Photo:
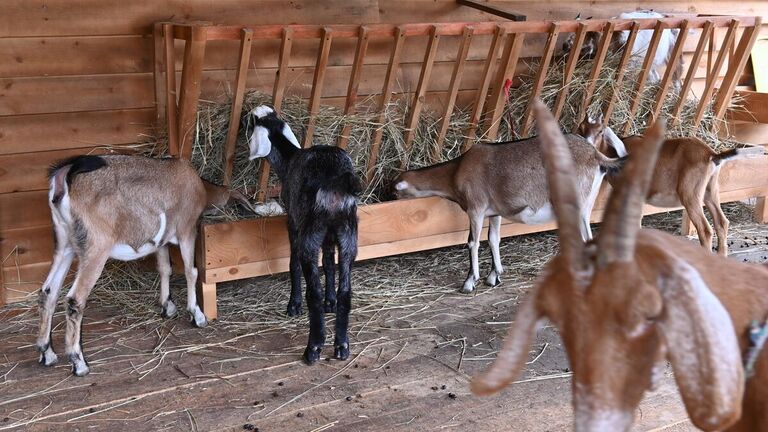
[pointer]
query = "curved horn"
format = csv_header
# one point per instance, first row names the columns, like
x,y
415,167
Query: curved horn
x,y
621,221
561,176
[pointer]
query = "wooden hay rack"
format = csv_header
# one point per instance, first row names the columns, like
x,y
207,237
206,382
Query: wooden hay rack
x,y
248,248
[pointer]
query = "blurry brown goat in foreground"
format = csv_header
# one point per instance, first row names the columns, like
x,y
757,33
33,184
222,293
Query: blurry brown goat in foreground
x,y
633,298
686,174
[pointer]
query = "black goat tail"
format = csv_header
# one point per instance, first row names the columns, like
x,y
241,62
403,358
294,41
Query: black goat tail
x,y
64,171
338,193
612,166
345,183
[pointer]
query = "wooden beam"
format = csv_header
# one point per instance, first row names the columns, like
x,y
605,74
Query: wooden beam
x,y
706,96
620,72
317,83
505,71
650,53
453,90
570,66
171,104
421,91
597,66
482,92
492,10
541,76
386,95
191,79
158,58
278,90
237,106
735,68
354,83
706,32
674,59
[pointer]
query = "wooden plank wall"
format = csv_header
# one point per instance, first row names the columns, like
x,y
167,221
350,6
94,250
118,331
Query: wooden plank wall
x,y
75,76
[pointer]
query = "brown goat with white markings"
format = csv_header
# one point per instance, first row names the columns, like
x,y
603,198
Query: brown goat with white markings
x,y
123,207
505,180
634,298
686,174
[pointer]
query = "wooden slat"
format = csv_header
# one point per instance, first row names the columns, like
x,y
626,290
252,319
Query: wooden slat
x,y
237,107
505,71
670,69
24,210
620,72
650,53
492,10
421,90
158,55
278,92
706,97
28,245
597,65
171,103
191,77
453,90
354,83
689,78
541,75
317,84
20,281
482,92
386,95
570,66
735,68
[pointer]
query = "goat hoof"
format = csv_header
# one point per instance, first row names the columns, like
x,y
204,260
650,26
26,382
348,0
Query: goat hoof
x,y
47,357
294,309
312,355
492,280
468,287
79,366
198,318
330,306
169,310
341,352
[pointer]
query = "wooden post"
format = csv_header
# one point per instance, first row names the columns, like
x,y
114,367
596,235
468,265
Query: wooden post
x,y
354,83
171,104
506,71
277,102
706,31
453,91
482,93
386,95
541,76
621,72
191,79
421,91
674,58
735,68
206,292
761,207
570,66
597,66
709,87
237,106
158,56
317,83
650,53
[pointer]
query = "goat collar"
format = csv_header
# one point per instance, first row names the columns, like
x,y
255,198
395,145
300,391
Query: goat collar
x,y
758,335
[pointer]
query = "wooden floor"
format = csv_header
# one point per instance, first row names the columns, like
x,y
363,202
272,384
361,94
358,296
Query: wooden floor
x,y
415,344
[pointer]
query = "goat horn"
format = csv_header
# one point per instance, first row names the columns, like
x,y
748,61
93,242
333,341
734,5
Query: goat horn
x,y
561,176
616,241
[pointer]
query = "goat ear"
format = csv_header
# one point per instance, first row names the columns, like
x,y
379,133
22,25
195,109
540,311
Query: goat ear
x,y
578,16
702,347
288,133
259,143
514,353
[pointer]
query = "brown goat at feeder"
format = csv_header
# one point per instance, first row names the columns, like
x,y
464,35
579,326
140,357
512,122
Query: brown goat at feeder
x,y
635,297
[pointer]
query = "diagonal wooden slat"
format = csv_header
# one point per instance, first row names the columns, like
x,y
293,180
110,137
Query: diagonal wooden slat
x,y
191,80
706,32
354,83
709,87
421,90
621,72
317,84
674,59
386,96
482,93
602,50
650,53
570,66
171,105
157,69
237,105
735,68
453,91
541,75
506,71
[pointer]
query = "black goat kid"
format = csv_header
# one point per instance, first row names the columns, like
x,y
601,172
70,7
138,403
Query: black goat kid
x,y
319,193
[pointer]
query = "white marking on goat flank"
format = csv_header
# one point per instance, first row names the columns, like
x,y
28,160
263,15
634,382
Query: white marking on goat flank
x,y
615,142
262,111
126,252
288,134
541,215
333,201
158,238
259,143
401,185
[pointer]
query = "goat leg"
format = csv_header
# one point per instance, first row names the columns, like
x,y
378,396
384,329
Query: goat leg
x,y
329,268
164,269
494,239
294,304
347,253
473,244
49,294
187,248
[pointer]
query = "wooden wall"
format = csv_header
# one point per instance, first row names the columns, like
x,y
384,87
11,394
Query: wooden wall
x,y
75,76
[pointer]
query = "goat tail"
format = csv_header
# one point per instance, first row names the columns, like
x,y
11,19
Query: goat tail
x,y
220,196
611,166
738,153
346,183
338,193
64,171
